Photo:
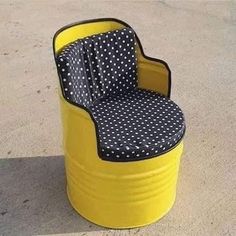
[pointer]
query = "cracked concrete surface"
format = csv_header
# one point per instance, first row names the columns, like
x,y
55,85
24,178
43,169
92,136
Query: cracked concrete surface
x,y
196,38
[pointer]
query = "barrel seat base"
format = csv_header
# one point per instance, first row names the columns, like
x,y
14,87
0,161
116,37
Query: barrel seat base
x,y
124,199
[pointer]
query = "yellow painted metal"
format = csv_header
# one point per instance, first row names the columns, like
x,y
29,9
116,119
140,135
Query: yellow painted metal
x,y
114,194
152,75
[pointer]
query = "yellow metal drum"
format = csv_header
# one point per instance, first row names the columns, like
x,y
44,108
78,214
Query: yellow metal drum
x,y
115,194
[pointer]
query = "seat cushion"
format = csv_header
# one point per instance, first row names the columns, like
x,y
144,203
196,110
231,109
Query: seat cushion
x,y
98,66
137,125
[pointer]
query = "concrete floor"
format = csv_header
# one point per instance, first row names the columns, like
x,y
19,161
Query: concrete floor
x,y
197,39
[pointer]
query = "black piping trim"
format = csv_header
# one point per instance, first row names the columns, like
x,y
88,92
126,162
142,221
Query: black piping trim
x,y
86,109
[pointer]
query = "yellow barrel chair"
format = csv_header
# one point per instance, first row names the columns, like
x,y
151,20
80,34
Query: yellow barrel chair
x,y
122,135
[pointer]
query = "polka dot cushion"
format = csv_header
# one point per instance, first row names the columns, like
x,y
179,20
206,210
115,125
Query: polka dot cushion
x,y
137,125
98,66
99,74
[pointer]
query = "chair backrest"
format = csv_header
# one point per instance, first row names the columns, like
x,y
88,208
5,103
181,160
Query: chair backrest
x,y
98,66
83,29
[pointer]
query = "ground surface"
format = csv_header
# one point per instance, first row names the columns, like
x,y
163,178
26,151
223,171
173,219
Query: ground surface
x,y
198,39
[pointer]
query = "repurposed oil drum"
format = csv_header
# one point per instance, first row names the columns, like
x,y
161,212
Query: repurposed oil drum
x,y
115,194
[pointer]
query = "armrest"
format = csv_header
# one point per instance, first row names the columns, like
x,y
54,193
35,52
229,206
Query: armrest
x,y
79,131
154,74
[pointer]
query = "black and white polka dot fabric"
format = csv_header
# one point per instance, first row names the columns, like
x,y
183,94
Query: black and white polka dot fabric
x,y
98,66
99,73
137,125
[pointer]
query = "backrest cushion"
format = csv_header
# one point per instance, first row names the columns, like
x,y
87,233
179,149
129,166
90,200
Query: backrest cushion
x,y
98,66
